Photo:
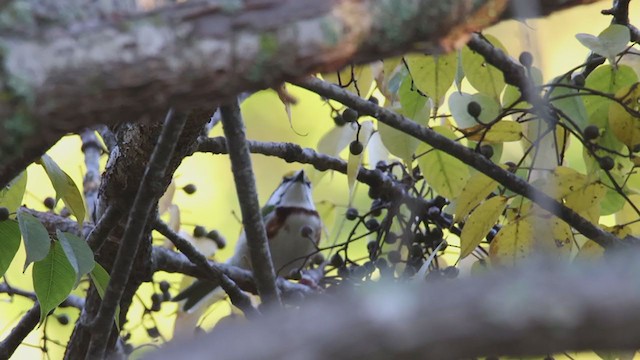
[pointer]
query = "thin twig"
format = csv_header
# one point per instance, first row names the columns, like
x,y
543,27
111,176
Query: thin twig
x,y
143,204
257,241
71,301
238,298
91,184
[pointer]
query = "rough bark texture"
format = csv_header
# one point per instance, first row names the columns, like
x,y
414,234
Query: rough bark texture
x,y
62,76
540,309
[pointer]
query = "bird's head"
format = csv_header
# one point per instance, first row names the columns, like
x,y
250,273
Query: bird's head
x,y
294,191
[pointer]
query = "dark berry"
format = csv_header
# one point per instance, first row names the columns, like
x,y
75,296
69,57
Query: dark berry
x,y
376,207
358,272
317,259
164,286
190,189
65,212
435,233
219,240
606,163
433,212
49,202
372,224
352,214
474,109
374,192
63,319
440,201
153,332
128,348
4,213
391,238
156,302
370,267
416,251
343,272
636,148
381,263
578,80
381,165
199,231
349,115
591,132
486,151
339,120
526,59
394,256
356,147
374,100
451,272
372,246
336,260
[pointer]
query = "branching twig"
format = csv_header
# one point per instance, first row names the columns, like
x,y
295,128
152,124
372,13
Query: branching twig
x,y
70,301
214,273
464,154
138,217
257,241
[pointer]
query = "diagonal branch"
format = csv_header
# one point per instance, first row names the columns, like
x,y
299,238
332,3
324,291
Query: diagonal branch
x,y
256,235
464,154
27,323
214,272
141,210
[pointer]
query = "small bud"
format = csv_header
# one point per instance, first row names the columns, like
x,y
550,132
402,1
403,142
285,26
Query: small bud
x,y
63,319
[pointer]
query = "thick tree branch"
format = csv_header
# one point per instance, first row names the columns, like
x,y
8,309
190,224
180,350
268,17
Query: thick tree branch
x,y
464,154
145,200
55,81
257,241
539,309
238,298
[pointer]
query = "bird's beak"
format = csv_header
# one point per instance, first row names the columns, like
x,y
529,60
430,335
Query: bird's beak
x,y
299,177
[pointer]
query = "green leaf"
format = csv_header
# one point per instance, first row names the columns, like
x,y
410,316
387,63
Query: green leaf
x,y
483,77
458,103
624,125
65,187
609,80
608,43
12,194
9,243
570,103
53,279
444,173
100,278
480,221
36,237
414,106
78,252
433,75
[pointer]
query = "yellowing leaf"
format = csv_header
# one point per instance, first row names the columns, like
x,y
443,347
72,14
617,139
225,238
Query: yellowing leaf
x,y
590,251
433,75
512,243
629,215
563,182
444,173
334,141
586,201
480,221
624,125
65,187
553,237
477,188
502,131
11,195
355,78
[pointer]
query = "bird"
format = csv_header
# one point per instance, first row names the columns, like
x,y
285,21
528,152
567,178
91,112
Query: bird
x,y
293,228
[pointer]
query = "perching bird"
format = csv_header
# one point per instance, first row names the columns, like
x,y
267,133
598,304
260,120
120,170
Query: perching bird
x,y
293,228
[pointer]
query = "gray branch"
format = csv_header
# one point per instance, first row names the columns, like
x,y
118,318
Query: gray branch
x,y
539,309
256,235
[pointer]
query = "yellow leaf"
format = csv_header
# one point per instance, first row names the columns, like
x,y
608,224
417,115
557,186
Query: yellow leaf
x,y
629,216
444,173
624,125
502,131
553,237
477,188
512,243
586,200
433,75
590,251
355,78
563,182
479,223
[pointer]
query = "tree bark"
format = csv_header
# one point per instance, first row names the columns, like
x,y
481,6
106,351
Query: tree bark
x,y
65,76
